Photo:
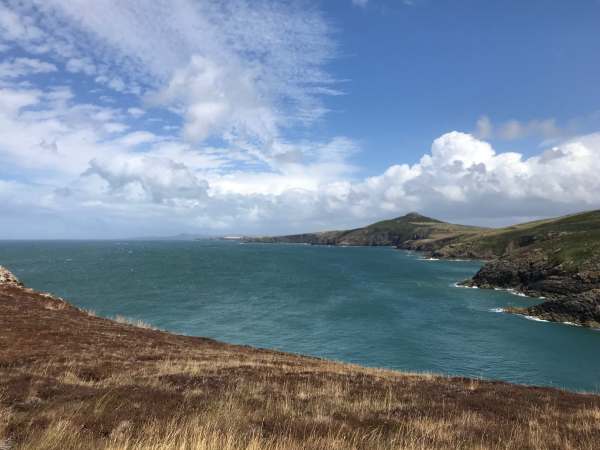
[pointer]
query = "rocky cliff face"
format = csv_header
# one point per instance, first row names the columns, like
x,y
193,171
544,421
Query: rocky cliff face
x,y
582,309
7,278
573,295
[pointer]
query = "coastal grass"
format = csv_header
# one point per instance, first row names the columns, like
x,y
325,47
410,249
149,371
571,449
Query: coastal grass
x,y
572,241
70,380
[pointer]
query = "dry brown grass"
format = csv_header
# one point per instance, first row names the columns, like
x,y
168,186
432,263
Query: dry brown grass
x,y
126,320
70,380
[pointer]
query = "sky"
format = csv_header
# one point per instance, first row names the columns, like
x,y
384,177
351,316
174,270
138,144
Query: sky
x,y
122,118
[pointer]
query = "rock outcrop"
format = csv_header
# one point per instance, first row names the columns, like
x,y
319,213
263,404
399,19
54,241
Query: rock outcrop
x,y
581,309
572,292
8,279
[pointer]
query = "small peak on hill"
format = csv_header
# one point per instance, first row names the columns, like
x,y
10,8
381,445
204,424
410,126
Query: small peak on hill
x,y
416,217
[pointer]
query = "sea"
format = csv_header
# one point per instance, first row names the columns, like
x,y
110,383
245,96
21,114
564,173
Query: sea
x,y
374,306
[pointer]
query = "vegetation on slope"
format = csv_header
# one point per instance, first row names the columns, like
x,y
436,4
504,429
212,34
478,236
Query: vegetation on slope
x,y
70,380
572,241
558,259
396,232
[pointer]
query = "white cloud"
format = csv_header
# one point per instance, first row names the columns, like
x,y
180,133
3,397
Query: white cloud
x,y
18,67
465,177
15,27
462,178
361,3
136,112
219,99
250,66
81,65
147,179
242,72
135,138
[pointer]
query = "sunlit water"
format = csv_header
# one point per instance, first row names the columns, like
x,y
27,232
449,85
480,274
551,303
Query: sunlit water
x,y
373,306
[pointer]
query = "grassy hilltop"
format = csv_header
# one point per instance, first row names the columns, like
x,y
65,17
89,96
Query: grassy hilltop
x,y
398,231
70,380
572,240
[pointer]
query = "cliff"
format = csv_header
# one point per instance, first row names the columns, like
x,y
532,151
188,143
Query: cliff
x,y
558,259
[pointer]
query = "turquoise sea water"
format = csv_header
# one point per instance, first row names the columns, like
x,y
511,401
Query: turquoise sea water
x,y
373,306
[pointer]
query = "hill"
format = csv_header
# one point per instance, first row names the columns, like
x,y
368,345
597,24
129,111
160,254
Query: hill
x,y
70,380
394,232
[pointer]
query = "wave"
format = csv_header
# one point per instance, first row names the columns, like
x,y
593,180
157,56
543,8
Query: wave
x,y
535,319
464,287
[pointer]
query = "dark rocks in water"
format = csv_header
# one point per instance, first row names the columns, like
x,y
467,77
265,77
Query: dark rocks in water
x,y
582,309
572,297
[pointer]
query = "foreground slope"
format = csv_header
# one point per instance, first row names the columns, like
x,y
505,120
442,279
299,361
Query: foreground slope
x,y
70,380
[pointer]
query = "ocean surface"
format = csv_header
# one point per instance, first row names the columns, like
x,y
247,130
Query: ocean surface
x,y
372,306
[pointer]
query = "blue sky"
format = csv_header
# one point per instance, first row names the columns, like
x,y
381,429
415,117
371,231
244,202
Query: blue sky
x,y
123,118
420,70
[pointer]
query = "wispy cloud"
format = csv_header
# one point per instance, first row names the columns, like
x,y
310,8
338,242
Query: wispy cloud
x,y
251,67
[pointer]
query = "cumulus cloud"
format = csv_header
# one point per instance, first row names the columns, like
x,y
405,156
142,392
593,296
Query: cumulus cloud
x,y
465,177
461,178
147,179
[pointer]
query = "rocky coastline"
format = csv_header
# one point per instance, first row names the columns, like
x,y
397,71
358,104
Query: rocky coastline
x,y
569,297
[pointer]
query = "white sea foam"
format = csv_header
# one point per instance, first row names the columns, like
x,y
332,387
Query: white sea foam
x,y
517,293
465,287
514,292
497,310
535,319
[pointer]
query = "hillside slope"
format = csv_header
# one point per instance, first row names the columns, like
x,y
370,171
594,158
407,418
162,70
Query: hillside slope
x,y
412,227
558,259
70,380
